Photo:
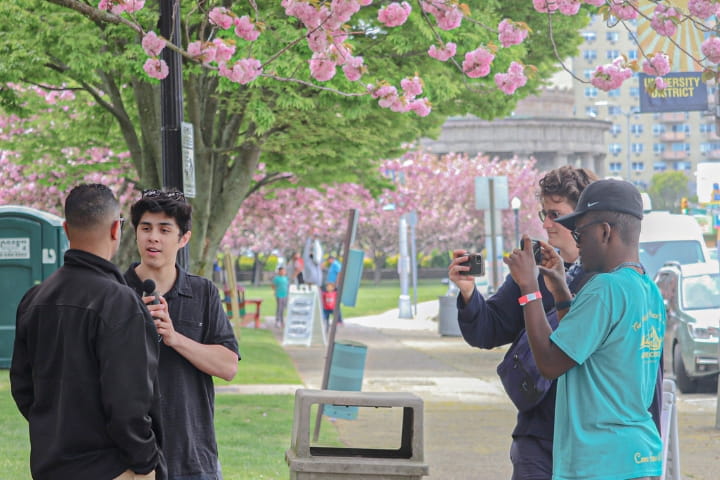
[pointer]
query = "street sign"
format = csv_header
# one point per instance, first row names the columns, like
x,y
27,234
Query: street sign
x,y
188,159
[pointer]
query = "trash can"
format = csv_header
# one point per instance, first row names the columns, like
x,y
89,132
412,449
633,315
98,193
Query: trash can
x,y
448,317
314,462
346,374
32,245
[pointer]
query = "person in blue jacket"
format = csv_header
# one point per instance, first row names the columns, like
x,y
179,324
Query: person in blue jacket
x,y
498,320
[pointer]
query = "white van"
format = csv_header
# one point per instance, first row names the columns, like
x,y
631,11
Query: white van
x,y
666,236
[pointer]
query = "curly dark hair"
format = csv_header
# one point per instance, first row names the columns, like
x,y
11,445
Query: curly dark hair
x,y
566,182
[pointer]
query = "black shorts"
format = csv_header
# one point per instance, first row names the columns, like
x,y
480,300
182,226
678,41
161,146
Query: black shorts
x,y
531,458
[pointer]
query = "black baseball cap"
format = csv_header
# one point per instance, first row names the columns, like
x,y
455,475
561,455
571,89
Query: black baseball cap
x,y
605,196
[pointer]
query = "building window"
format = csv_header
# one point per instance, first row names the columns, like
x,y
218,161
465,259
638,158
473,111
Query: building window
x,y
615,167
614,109
590,55
682,166
612,36
632,54
615,129
614,93
589,36
591,111
658,128
658,147
634,91
638,166
615,148
587,73
680,147
659,167
636,128
637,148
591,92
612,54
707,127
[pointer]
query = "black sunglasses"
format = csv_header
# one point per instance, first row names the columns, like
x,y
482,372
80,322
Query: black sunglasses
x,y
543,214
577,234
173,194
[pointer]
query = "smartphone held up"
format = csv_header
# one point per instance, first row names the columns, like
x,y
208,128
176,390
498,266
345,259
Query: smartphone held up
x,y
476,263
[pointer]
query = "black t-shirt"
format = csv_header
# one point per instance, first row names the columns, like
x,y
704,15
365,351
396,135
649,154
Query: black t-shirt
x,y
188,395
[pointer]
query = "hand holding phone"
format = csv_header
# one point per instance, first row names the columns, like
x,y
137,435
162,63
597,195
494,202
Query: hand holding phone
x,y
476,264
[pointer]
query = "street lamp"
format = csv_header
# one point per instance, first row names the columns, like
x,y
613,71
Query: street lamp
x,y
515,204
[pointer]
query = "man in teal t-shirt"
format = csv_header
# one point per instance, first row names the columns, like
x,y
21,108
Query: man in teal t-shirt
x,y
607,347
280,285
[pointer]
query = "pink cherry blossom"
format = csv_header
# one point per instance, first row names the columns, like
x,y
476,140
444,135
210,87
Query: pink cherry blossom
x,y
152,44
512,80
243,71
365,3
421,107
611,76
132,6
447,13
569,7
221,17
394,14
510,33
245,29
322,68
657,64
595,3
664,20
711,49
624,9
354,68
156,68
388,97
703,8
477,63
412,87
223,50
443,53
545,6
660,83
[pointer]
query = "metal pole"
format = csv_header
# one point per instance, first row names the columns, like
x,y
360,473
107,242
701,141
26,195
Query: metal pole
x,y
404,309
171,107
413,255
349,236
493,245
627,154
517,227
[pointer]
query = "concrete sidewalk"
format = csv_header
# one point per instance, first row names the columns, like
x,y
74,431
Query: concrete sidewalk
x,y
468,418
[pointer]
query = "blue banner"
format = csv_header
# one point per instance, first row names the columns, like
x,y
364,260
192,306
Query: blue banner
x,y
685,92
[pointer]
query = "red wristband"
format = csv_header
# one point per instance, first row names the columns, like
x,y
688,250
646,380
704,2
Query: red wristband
x,y
525,299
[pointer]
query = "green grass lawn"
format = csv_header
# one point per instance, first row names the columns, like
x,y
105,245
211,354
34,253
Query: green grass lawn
x,y
371,299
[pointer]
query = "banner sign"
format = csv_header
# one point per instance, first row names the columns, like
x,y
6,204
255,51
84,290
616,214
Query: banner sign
x,y
685,92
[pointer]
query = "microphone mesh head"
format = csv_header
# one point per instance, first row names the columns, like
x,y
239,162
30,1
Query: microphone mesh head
x,y
149,286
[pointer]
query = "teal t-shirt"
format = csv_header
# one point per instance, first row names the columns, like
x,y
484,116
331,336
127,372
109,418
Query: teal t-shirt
x,y
281,286
614,332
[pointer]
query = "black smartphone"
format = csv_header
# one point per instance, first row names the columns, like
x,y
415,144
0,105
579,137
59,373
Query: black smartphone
x,y
476,264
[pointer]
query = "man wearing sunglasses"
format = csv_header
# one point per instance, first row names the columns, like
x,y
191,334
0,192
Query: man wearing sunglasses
x,y
197,339
498,320
606,351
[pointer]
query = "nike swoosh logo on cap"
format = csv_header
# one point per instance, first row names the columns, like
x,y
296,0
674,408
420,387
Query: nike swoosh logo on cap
x,y
592,204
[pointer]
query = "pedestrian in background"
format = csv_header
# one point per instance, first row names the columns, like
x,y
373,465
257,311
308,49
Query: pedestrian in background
x,y
333,276
329,301
85,358
298,266
606,350
198,341
280,286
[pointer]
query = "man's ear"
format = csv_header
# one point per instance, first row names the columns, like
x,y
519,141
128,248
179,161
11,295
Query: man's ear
x,y
185,238
115,230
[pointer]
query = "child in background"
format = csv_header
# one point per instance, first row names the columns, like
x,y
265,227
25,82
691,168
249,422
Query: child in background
x,y
329,297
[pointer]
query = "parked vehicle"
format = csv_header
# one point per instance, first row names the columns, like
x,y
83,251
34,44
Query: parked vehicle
x,y
692,300
665,237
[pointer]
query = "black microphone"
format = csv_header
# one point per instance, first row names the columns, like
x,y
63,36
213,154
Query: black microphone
x,y
149,289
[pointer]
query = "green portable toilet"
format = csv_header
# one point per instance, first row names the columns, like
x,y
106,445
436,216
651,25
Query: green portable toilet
x,y
32,245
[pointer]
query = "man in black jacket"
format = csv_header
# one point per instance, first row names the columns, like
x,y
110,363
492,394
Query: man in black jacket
x,y
84,366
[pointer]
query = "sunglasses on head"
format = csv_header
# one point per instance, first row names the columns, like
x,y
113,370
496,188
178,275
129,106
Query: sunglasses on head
x,y
173,194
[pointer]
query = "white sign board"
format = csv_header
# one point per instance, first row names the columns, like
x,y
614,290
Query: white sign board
x,y
188,159
499,191
303,323
14,248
